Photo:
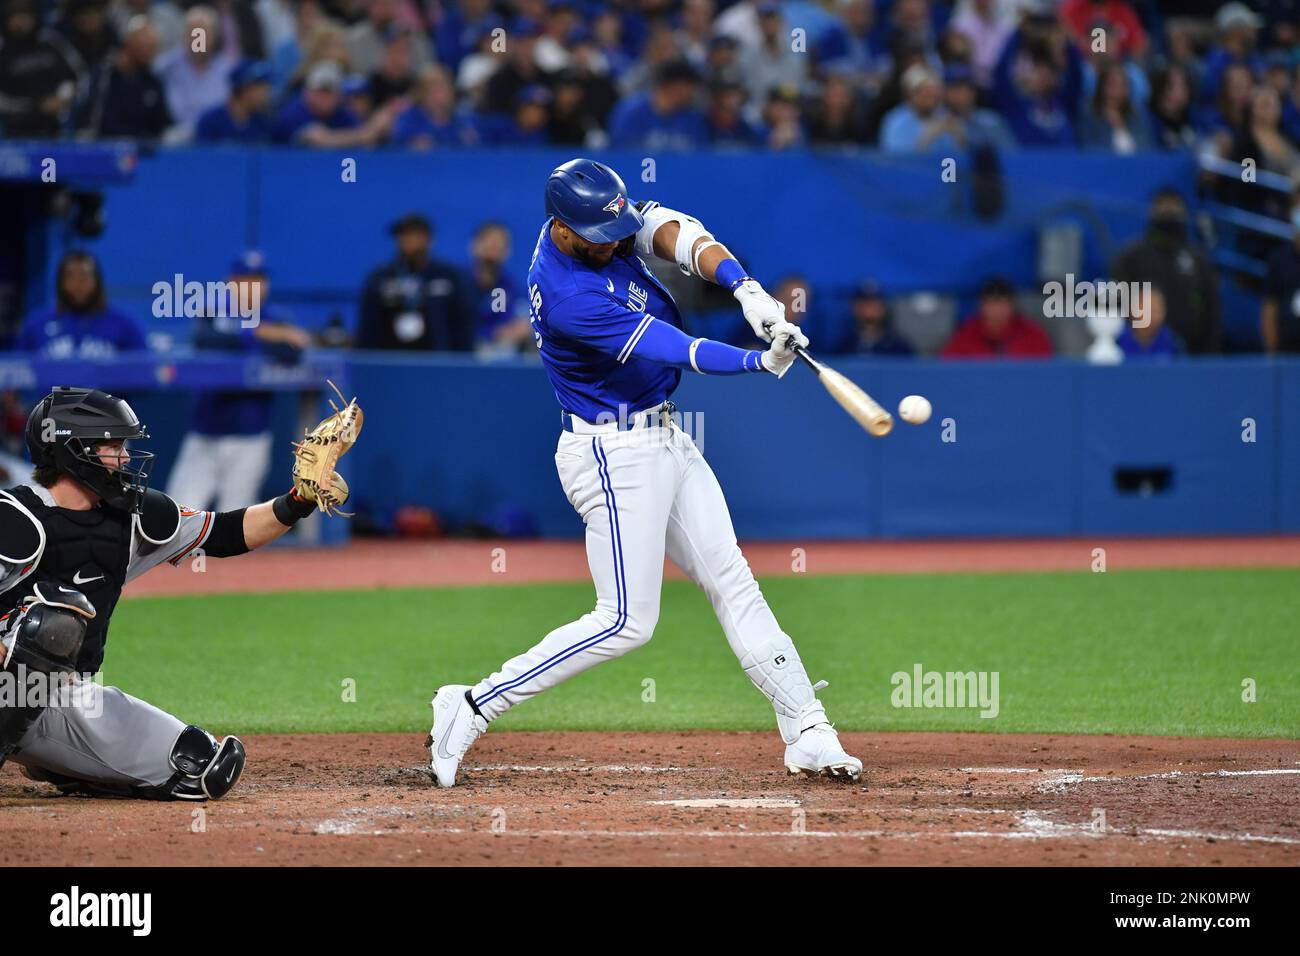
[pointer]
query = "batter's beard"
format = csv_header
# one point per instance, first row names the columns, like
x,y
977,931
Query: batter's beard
x,y
595,262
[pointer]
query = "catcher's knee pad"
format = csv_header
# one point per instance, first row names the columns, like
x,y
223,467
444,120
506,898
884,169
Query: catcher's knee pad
x,y
205,768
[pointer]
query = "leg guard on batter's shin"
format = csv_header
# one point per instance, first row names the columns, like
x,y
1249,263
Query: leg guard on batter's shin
x,y
205,769
776,670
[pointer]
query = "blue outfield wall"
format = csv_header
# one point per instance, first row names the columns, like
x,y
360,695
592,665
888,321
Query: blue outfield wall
x,y
1036,450
834,217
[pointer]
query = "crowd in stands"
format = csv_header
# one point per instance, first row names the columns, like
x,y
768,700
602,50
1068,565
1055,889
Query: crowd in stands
x,y
901,75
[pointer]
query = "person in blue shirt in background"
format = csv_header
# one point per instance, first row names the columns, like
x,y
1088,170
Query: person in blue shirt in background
x,y
246,116
501,320
318,107
1152,338
665,117
225,456
873,323
82,324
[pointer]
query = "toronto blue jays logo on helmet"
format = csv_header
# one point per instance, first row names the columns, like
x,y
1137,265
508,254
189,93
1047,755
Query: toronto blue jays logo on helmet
x,y
615,205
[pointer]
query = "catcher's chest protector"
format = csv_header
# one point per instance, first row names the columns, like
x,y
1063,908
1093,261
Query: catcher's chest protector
x,y
86,550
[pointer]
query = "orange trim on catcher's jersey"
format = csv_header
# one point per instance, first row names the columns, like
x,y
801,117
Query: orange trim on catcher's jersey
x,y
175,559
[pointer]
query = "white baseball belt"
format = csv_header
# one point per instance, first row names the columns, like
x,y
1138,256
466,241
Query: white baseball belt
x,y
659,415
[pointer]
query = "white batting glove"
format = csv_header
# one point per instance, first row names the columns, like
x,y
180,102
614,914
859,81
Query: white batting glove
x,y
761,310
780,355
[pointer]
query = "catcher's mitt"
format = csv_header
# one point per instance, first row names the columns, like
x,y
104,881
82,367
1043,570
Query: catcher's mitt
x,y
314,458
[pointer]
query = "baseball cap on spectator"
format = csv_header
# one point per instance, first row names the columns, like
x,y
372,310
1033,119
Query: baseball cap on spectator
x,y
250,262
721,40
997,288
525,27
410,222
1235,15
676,71
785,93
356,84
326,75
768,8
533,93
869,289
249,72
917,74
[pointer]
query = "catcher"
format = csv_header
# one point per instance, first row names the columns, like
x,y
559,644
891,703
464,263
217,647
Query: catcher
x,y
70,540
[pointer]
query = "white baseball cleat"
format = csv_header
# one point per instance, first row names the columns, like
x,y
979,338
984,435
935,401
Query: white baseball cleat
x,y
455,727
818,751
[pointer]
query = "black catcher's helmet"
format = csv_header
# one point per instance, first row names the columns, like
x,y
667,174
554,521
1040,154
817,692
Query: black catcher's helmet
x,y
68,425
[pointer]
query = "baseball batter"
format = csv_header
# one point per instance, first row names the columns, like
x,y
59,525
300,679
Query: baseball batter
x,y
70,540
611,339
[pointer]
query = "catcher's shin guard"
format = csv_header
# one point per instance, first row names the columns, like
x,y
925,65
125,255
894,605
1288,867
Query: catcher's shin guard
x,y
205,769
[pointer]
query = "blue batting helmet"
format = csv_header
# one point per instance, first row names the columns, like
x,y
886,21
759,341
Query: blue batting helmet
x,y
591,199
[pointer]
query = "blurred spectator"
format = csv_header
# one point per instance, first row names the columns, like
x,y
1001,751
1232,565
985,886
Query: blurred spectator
x,y
317,116
88,30
987,24
795,293
722,63
38,74
479,65
415,301
911,24
920,123
773,64
1227,117
740,22
572,122
665,117
1171,109
1261,139
727,123
967,126
891,92
1147,336
323,41
196,74
225,456
1112,122
1123,33
82,324
519,70
396,72
838,116
527,126
783,119
848,46
431,119
660,50
369,39
165,18
1237,27
460,25
501,315
358,96
134,103
246,116
558,25
1291,108
1166,258
874,324
1039,78
1279,316
998,329
607,37
695,31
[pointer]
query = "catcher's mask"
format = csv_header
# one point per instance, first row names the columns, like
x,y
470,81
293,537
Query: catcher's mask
x,y
66,429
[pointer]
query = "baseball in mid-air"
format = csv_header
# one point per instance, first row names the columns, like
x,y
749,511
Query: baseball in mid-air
x,y
915,409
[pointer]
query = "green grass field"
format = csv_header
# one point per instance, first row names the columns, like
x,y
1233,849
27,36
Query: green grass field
x,y
1136,652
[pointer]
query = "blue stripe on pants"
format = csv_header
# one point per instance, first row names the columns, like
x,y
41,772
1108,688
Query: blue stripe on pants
x,y
620,586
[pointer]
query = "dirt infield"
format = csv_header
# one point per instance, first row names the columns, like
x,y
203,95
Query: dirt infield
x,y
372,563
698,798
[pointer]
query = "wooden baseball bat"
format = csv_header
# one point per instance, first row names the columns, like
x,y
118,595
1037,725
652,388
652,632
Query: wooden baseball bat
x,y
866,411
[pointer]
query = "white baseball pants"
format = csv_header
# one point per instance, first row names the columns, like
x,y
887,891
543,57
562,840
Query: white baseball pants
x,y
220,472
643,493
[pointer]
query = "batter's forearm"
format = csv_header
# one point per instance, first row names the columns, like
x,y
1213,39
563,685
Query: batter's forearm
x,y
665,246
668,345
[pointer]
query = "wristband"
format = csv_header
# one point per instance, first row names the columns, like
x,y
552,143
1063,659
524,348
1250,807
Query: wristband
x,y
290,508
730,273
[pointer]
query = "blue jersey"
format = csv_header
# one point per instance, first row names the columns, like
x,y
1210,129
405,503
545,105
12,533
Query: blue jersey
x,y
588,322
67,335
